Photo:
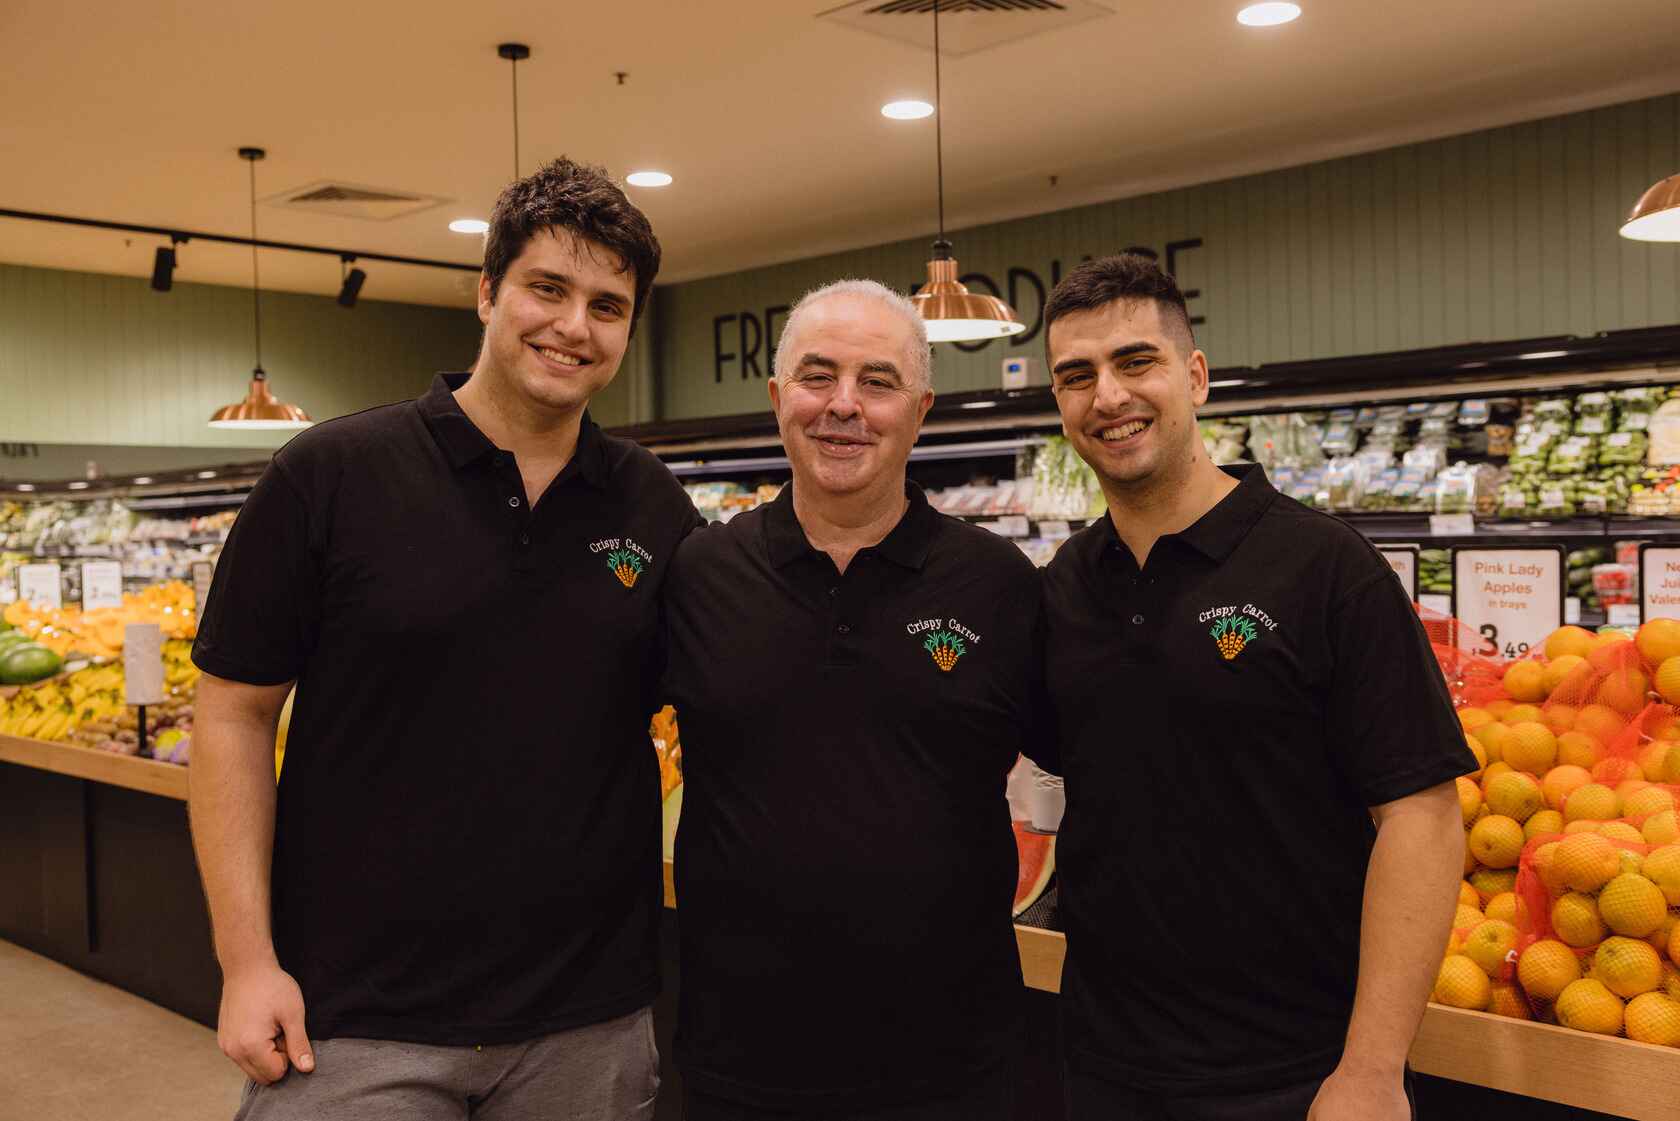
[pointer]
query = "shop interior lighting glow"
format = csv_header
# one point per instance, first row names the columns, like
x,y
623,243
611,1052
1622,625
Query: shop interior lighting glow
x,y
1269,15
469,225
906,110
648,179
1656,216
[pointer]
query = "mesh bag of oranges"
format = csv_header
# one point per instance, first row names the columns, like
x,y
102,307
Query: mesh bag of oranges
x,y
1579,746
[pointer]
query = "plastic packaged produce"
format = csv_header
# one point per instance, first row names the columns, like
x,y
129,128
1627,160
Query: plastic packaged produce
x,y
1624,448
1593,414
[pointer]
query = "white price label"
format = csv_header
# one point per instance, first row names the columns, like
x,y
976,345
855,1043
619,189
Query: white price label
x,y
1591,424
1571,610
39,585
1659,581
1511,598
102,584
1623,614
143,663
1434,601
1620,440
1452,525
202,571
1404,564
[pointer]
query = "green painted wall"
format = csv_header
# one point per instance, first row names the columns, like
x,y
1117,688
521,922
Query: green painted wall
x,y
1503,234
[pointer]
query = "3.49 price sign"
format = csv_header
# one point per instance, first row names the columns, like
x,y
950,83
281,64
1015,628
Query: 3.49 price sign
x,y
1511,596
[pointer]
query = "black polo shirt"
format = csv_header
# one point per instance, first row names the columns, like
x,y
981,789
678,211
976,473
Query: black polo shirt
x,y
467,836
845,864
1227,716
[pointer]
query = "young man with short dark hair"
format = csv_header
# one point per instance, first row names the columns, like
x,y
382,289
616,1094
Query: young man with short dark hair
x,y
1262,837
449,908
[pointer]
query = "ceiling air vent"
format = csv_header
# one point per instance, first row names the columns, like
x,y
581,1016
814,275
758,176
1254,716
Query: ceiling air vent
x,y
965,26
353,200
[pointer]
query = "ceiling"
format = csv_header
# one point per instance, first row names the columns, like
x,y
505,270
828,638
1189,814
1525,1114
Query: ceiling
x,y
767,116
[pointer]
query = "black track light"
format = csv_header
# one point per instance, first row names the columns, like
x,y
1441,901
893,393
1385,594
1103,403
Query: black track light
x,y
163,269
352,286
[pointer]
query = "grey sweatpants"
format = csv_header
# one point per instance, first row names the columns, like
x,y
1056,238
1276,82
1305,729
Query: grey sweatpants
x,y
601,1072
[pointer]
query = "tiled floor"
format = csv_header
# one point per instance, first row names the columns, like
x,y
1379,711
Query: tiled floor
x,y
76,1049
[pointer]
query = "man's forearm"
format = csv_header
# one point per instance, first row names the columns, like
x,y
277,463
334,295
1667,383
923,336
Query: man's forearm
x,y
231,803
1409,899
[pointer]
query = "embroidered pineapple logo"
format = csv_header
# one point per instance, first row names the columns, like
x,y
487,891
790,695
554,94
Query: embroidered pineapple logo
x,y
1233,634
625,565
945,647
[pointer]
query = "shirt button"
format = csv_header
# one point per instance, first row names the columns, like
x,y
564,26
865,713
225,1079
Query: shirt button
x,y
1138,619
834,591
513,502
844,629
524,538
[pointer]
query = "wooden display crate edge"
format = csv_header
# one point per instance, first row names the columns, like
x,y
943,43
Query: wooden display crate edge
x,y
145,775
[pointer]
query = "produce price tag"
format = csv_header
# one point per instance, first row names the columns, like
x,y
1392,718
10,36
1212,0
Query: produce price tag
x,y
1434,601
1404,564
1620,439
1623,614
38,584
1511,597
143,663
1452,525
1572,610
101,585
202,571
1659,581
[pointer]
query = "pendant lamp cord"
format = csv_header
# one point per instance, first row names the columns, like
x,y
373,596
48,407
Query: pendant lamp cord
x,y
938,128
515,63
256,284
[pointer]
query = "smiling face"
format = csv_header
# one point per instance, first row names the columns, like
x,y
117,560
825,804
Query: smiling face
x,y
1128,384
559,322
850,405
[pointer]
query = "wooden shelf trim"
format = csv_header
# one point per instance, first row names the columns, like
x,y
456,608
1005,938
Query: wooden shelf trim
x,y
146,775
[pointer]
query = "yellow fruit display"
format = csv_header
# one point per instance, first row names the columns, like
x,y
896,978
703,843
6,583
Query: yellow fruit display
x,y
1493,771
1671,982
1523,714
1499,708
1514,794
1611,651
1497,841
1467,896
1561,668
1545,866
1627,966
1562,781
1653,756
1575,919
1473,718
1579,750
1569,641
1674,950
1663,935
1586,861
1507,907
1621,775
1542,823
1532,747
1667,681
1489,944
1490,882
1592,802
1632,906
1652,799
1587,1005
1671,768
1560,717
1479,752
1624,689
1661,829
1626,834
1601,722
1507,1000
1653,1018
1461,983
1469,800
1468,916
1526,682
1546,968
1658,640
1662,868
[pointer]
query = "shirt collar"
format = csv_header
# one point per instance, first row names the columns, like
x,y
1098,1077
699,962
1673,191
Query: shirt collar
x,y
906,546
1217,533
465,445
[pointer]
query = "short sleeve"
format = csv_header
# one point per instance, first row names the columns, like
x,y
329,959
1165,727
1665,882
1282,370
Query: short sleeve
x,y
263,612
1392,729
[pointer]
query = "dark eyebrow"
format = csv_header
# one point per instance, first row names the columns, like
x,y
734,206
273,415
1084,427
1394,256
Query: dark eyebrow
x,y
814,359
879,366
1071,364
562,279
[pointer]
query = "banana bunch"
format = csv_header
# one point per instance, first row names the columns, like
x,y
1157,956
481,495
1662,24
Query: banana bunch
x,y
180,676
38,714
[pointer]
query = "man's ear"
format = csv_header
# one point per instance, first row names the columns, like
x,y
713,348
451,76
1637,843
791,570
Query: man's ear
x,y
775,396
486,298
1198,378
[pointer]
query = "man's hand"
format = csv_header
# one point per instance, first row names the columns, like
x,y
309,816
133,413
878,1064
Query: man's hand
x,y
1351,1096
261,1023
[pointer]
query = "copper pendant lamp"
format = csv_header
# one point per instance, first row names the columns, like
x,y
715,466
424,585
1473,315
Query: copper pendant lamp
x,y
953,313
260,409
1656,216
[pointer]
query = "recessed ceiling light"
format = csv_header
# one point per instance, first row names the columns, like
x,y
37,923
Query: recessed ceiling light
x,y
1268,15
26,486
648,179
142,480
469,225
205,475
78,486
906,110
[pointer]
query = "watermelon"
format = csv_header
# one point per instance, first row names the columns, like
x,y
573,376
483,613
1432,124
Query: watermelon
x,y
26,662
1036,856
673,810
